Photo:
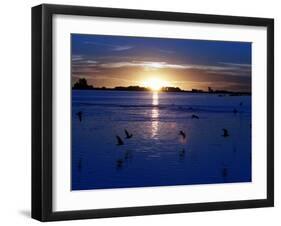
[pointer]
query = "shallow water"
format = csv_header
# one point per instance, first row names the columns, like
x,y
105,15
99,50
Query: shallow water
x,y
157,155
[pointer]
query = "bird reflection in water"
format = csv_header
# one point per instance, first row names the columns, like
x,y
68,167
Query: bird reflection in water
x,y
182,154
154,115
182,140
119,163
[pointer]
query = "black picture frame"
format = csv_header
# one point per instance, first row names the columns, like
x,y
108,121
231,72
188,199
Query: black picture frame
x,y
42,111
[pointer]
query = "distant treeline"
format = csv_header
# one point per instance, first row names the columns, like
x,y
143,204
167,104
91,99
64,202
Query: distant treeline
x,y
82,84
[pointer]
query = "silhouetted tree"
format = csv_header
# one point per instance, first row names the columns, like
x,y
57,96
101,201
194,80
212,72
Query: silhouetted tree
x,y
197,91
210,90
171,89
82,84
131,88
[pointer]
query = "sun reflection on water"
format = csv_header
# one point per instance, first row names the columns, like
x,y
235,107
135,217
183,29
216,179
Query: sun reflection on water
x,y
154,115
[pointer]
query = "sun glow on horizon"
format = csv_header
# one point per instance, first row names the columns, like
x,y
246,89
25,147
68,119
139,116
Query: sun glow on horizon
x,y
155,84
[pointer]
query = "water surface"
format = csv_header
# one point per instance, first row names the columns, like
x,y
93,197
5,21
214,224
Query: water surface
x,y
157,155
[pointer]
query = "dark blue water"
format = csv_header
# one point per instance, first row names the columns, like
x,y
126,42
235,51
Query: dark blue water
x,y
157,155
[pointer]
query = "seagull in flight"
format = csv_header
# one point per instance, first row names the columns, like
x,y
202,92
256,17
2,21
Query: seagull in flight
x,y
194,117
225,133
119,140
79,114
128,135
182,134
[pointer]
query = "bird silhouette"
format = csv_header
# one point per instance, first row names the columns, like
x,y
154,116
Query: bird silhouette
x,y
182,134
79,114
194,117
119,140
235,111
225,133
128,135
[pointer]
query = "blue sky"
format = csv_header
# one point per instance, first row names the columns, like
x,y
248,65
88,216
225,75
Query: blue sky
x,y
122,61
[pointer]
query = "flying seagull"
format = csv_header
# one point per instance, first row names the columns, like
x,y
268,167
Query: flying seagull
x,y
119,140
182,134
194,116
225,133
79,114
128,135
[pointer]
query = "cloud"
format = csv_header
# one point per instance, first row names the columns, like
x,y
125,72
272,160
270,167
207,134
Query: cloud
x,y
222,68
236,64
121,48
77,57
110,46
219,75
231,73
83,62
91,61
160,65
166,51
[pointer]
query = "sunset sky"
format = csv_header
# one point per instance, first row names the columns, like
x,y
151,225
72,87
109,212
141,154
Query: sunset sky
x,y
124,61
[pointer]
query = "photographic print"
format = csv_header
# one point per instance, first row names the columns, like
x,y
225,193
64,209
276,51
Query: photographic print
x,y
138,112
159,112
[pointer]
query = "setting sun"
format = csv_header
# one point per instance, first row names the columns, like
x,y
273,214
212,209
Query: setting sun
x,y
155,84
